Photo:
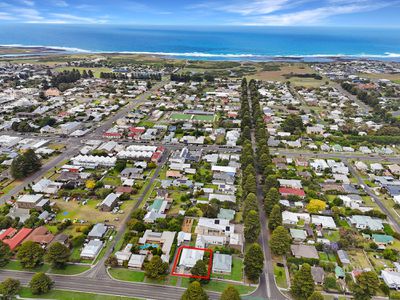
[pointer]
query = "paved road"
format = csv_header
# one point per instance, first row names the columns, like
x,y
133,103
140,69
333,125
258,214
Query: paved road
x,y
99,270
376,199
106,286
267,288
71,150
364,107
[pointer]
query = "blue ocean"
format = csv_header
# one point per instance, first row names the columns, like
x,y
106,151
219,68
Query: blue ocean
x,y
214,43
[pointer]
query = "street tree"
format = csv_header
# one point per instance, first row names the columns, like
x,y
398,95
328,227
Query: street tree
x,y
250,203
280,241
303,283
271,198
9,288
251,226
194,292
40,284
275,217
230,293
253,262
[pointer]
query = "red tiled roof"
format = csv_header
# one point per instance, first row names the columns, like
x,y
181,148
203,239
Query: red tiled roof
x,y
123,189
137,129
7,232
40,235
156,156
17,239
112,134
292,191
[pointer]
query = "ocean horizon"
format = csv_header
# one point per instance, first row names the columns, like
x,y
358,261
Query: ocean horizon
x,y
210,43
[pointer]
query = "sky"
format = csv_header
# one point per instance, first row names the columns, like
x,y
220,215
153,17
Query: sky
x,y
357,13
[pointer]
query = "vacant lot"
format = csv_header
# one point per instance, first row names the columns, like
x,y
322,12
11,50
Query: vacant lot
x,y
286,69
74,210
358,259
393,77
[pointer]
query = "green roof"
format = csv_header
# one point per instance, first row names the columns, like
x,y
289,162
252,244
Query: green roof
x,y
156,204
382,238
298,234
227,214
339,272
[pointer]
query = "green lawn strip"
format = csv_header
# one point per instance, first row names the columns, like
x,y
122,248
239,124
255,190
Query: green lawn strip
x,y
280,276
70,295
16,266
172,280
220,286
75,254
70,269
185,282
127,275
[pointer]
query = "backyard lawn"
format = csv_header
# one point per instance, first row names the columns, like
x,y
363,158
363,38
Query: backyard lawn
x,y
358,259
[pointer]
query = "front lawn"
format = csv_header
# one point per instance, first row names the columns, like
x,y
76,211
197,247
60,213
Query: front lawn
x,y
237,271
220,286
127,275
16,266
70,269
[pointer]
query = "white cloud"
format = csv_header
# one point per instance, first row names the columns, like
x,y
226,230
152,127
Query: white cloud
x,y
61,3
254,7
292,12
28,2
29,14
68,18
6,16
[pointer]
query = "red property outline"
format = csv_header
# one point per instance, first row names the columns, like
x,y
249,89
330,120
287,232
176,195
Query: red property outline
x,y
173,273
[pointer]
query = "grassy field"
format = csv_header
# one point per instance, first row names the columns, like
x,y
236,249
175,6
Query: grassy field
x,y
74,210
96,71
295,68
180,117
70,295
393,77
204,118
127,275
